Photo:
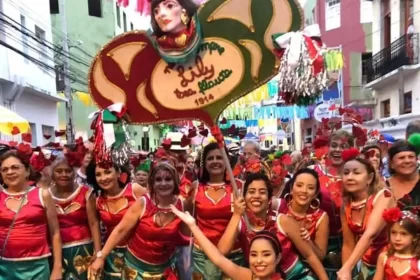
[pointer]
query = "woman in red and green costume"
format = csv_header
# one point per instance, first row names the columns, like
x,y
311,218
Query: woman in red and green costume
x,y
213,208
303,201
77,216
154,230
114,199
28,219
267,214
364,229
331,192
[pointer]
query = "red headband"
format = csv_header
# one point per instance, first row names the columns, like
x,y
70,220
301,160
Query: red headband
x,y
267,236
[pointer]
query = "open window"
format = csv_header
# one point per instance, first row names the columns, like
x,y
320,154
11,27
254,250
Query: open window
x,y
95,8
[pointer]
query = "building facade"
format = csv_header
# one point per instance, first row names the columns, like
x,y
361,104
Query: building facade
x,y
393,72
146,138
27,69
346,24
90,24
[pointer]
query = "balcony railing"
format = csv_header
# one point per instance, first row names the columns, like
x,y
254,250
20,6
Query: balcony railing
x,y
403,51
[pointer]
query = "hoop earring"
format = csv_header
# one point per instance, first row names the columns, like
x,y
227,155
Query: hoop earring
x,y
185,19
317,204
288,198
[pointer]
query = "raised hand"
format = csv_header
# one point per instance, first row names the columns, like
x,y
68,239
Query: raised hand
x,y
304,233
184,216
239,206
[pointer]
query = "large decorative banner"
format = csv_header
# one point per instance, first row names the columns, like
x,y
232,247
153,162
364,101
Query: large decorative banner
x,y
195,63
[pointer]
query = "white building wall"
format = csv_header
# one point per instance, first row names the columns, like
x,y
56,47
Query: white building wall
x,y
34,13
396,22
376,27
45,111
387,87
33,87
132,16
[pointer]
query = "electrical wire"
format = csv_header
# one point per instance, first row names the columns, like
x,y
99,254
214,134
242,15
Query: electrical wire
x,y
42,65
59,33
22,29
74,74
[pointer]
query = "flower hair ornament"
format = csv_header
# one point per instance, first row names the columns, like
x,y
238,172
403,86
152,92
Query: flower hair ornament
x,y
350,154
23,149
76,155
329,126
279,161
256,165
39,161
395,215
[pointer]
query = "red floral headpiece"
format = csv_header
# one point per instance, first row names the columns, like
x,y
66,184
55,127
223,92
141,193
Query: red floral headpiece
x,y
278,163
163,154
395,215
256,165
347,116
349,154
24,150
39,161
75,158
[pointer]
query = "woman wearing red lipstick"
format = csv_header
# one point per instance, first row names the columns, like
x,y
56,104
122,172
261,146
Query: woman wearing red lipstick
x,y
364,230
154,230
264,257
77,216
331,192
114,199
213,208
258,206
304,202
27,221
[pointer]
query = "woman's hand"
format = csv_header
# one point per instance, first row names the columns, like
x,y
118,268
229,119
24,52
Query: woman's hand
x,y
56,273
96,268
239,206
185,217
304,233
344,274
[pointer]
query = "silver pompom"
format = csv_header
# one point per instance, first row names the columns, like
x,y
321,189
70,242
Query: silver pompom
x,y
121,155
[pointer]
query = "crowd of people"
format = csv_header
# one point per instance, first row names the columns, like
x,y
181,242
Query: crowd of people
x,y
324,213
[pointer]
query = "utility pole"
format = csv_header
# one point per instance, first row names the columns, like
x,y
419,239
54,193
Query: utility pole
x,y
67,85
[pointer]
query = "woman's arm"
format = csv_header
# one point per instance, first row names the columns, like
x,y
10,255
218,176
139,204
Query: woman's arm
x,y
189,201
232,270
320,244
292,230
93,220
128,222
380,268
54,231
349,241
374,225
231,233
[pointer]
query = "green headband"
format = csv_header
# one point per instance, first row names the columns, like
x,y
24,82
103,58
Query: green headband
x,y
144,166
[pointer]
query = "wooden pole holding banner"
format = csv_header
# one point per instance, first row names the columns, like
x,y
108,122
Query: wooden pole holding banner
x,y
233,182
